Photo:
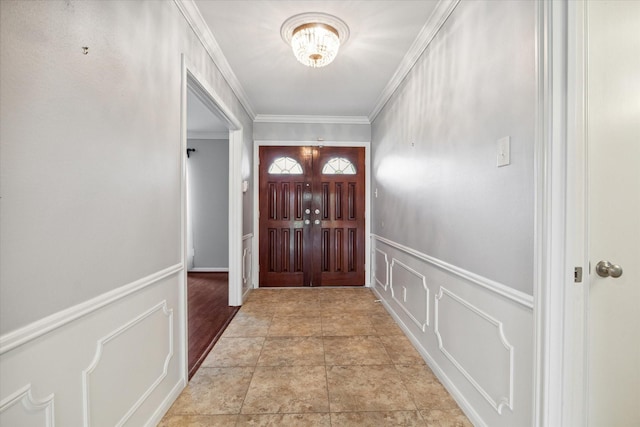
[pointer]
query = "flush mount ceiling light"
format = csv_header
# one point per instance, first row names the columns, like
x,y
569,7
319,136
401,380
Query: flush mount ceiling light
x,y
314,37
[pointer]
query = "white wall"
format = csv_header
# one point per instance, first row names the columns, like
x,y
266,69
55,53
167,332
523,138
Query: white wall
x,y
90,208
454,234
311,132
208,169
434,146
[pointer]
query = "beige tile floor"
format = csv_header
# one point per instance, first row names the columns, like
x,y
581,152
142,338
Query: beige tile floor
x,y
314,357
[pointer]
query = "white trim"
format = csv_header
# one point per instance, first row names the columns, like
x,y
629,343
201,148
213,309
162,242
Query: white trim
x,y
551,274
166,403
504,401
499,288
256,197
576,377
349,120
31,405
86,379
438,17
235,217
208,135
209,270
45,325
384,285
202,31
183,320
247,236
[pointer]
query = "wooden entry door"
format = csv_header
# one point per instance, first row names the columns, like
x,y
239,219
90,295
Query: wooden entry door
x,y
312,226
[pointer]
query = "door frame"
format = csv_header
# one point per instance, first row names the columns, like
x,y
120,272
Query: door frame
x,y
194,80
256,201
560,358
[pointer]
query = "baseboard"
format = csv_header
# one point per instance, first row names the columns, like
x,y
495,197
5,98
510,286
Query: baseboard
x,y
209,270
477,339
166,404
439,373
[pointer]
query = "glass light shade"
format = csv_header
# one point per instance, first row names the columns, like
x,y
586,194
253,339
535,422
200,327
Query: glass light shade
x,y
315,45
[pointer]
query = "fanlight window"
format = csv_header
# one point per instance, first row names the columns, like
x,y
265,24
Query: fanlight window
x,y
339,166
285,165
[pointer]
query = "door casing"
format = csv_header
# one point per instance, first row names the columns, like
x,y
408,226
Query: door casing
x,y
256,202
191,78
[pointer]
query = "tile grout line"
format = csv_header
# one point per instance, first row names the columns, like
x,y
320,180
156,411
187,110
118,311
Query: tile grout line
x,y
255,367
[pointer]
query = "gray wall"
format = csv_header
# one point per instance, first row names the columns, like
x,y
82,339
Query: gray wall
x,y
311,132
434,146
90,154
209,202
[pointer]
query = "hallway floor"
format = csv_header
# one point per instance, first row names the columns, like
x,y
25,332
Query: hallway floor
x,y
314,357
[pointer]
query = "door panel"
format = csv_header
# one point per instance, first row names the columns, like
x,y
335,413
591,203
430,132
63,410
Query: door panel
x,y
613,90
283,237
339,244
312,223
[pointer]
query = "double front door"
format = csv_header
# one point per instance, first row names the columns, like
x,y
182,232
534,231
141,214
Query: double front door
x,y
312,226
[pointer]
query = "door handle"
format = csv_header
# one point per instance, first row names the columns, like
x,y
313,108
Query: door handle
x,y
606,269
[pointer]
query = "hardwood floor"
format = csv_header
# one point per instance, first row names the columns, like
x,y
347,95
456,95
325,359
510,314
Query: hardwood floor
x,y
209,313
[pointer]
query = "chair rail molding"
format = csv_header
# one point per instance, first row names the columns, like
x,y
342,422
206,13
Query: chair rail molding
x,y
499,288
43,326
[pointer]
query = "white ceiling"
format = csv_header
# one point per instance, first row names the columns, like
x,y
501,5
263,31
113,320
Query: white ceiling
x,y
273,82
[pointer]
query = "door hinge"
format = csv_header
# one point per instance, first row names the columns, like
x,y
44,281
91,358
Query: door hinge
x,y
577,275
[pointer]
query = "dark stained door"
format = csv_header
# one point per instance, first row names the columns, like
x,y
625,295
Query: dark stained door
x,y
312,224
338,195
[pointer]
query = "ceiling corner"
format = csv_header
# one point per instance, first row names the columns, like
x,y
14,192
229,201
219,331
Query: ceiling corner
x,y
194,18
438,17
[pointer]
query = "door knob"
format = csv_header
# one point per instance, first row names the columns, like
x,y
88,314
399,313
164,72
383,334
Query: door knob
x,y
316,222
317,211
306,221
606,269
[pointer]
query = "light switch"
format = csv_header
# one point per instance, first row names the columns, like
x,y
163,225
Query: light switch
x,y
504,151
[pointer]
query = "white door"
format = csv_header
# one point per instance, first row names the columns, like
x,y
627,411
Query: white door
x,y
613,133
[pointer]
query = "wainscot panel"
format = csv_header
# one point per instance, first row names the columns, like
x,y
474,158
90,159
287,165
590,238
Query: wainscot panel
x,y
119,360
247,264
475,334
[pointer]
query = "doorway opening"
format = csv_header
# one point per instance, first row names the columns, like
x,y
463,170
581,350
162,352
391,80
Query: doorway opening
x,y
312,216
211,218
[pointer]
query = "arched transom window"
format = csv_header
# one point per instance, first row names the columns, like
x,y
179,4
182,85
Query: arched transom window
x,y
339,166
285,165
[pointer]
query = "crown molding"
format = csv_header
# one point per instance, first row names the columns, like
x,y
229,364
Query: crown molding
x,y
348,120
199,26
208,135
438,17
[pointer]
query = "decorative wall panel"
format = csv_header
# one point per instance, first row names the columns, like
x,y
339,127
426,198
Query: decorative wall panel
x,y
21,409
409,289
489,367
474,335
142,349
381,268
